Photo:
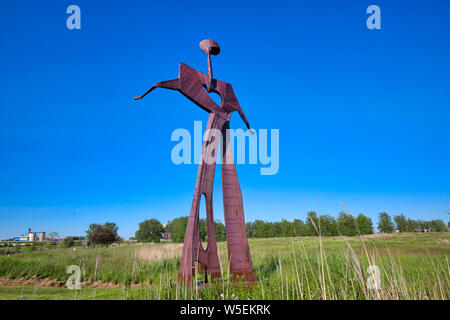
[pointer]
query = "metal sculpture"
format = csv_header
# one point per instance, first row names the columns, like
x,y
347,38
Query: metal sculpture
x,y
192,84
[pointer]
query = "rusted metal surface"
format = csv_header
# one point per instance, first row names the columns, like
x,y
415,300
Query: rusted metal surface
x,y
191,84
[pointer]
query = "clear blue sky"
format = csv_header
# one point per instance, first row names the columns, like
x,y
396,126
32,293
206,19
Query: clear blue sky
x,y
363,114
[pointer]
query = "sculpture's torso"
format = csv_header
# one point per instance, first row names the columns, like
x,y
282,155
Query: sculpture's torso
x,y
192,84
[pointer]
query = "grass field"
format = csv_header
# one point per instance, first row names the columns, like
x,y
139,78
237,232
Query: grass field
x,y
409,266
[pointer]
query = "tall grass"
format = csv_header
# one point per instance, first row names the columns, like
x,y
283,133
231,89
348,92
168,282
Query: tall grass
x,y
412,266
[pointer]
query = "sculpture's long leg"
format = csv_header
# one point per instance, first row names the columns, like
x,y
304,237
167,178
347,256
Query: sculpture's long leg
x,y
168,84
192,249
237,243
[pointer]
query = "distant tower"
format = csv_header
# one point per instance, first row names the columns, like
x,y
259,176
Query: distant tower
x,y
31,236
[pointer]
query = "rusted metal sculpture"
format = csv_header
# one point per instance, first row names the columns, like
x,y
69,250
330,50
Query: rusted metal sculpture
x,y
192,84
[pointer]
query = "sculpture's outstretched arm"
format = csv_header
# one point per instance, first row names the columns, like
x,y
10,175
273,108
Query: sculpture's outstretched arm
x,y
169,84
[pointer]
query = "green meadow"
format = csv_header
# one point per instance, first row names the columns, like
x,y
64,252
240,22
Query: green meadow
x,y
398,266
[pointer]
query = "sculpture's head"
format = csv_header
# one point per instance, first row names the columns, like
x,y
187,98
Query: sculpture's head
x,y
210,46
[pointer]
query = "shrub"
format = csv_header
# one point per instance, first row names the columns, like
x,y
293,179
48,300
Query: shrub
x,y
149,231
67,242
103,234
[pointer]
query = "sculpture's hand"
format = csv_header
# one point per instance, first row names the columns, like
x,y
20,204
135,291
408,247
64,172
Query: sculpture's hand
x,y
246,122
168,84
147,92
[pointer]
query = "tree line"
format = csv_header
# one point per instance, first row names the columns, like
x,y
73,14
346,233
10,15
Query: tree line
x,y
325,225
151,230
404,224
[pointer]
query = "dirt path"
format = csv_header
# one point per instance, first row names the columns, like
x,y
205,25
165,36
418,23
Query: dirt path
x,y
52,283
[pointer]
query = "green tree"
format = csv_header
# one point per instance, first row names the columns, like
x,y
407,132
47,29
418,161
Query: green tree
x,y
312,224
103,234
276,227
220,231
203,229
67,242
251,229
438,225
286,228
385,224
149,231
401,223
260,230
111,226
413,225
347,225
177,229
424,225
364,223
92,228
264,229
299,228
328,226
